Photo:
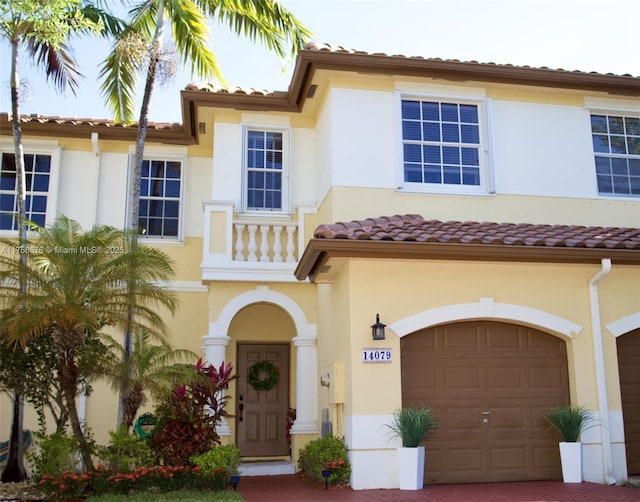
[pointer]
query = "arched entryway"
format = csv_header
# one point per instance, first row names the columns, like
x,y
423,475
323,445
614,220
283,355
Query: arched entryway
x,y
490,383
628,346
266,316
261,335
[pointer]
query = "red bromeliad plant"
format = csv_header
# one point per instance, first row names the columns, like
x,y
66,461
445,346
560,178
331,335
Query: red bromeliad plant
x,y
187,419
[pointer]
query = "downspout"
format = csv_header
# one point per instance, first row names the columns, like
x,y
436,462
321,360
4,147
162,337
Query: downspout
x,y
601,382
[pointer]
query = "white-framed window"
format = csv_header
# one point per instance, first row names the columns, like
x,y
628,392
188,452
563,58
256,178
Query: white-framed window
x,y
616,146
38,173
266,169
443,144
161,189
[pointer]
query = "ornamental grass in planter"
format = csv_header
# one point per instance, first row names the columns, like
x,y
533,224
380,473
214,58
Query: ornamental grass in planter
x,y
413,425
570,421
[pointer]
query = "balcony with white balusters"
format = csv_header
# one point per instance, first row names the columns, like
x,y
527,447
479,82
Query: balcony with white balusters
x,y
250,247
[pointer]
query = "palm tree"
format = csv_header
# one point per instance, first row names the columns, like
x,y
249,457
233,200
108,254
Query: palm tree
x,y
265,21
77,284
151,369
41,28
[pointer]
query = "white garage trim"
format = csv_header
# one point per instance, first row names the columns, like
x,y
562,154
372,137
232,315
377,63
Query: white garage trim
x,y
624,325
486,308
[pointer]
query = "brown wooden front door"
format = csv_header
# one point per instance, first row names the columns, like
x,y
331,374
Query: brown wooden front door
x,y
629,370
261,415
490,384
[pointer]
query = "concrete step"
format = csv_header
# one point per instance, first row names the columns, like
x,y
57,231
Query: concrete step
x,y
269,468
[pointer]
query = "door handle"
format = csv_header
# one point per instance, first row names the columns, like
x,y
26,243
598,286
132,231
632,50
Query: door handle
x,y
485,417
240,409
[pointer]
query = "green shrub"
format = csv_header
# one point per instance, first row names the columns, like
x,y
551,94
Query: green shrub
x,y
54,454
68,486
327,453
225,457
187,417
153,480
125,452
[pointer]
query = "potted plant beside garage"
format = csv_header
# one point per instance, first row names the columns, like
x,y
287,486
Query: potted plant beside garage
x,y
570,421
413,425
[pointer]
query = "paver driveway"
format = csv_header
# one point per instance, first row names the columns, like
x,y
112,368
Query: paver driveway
x,y
292,488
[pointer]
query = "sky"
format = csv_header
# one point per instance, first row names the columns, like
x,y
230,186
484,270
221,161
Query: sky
x,y
586,35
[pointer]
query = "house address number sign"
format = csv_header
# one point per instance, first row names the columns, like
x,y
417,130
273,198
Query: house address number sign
x,y
376,355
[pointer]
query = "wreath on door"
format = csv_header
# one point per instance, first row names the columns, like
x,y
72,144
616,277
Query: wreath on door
x,y
263,375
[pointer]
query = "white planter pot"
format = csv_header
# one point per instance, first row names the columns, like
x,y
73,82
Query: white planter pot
x,y
571,459
411,468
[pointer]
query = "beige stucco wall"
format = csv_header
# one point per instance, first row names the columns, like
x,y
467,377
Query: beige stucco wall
x,y
349,203
401,289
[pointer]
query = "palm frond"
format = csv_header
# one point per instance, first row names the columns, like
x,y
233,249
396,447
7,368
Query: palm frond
x,y
76,285
98,12
58,64
119,74
264,21
191,36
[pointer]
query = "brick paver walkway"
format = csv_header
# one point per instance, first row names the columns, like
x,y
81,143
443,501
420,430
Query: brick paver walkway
x,y
293,488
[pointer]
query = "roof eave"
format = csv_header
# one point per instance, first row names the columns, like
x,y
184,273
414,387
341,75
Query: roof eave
x,y
177,134
319,251
459,70
311,60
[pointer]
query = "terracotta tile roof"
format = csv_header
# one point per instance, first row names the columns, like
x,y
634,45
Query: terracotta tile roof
x,y
250,91
324,47
40,119
413,228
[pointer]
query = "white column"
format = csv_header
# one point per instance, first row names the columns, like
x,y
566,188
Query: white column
x,y
215,351
306,386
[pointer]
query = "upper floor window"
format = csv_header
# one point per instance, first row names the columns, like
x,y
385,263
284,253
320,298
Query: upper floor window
x,y
616,145
37,173
441,143
160,198
265,170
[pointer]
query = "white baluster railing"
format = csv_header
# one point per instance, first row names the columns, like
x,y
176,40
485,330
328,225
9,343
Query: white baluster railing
x,y
241,247
264,242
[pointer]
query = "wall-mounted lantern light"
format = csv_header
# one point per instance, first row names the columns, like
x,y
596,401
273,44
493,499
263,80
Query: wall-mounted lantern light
x,y
377,329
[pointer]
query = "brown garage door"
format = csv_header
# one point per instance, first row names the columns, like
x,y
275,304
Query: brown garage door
x,y
628,366
490,384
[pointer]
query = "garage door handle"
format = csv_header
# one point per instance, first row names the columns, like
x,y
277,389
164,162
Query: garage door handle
x,y
486,413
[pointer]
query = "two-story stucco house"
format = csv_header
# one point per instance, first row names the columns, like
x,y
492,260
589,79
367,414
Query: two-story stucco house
x,y
490,217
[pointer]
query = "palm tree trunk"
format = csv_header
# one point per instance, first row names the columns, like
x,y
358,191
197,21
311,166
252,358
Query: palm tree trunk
x,y
14,470
134,189
68,374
